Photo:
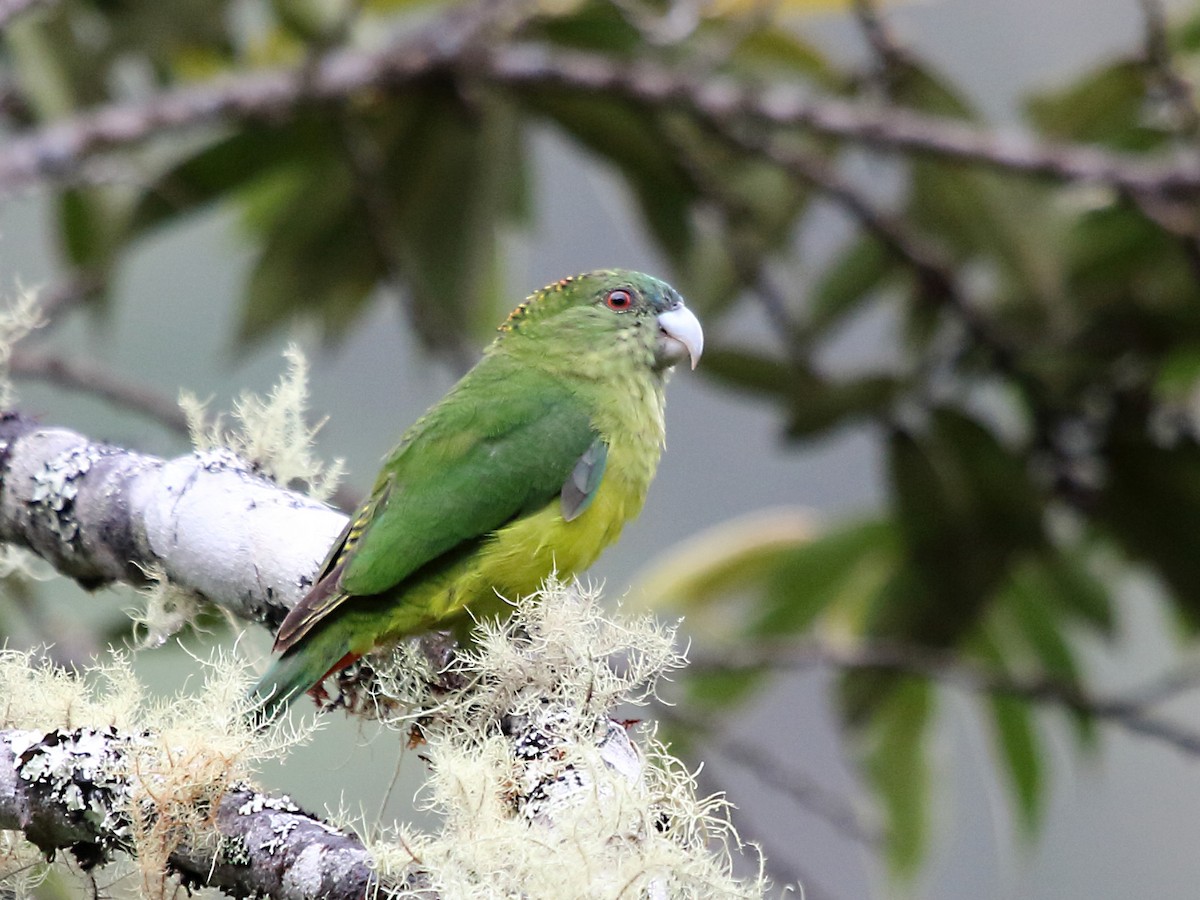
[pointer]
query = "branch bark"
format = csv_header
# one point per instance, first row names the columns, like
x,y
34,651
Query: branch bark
x,y
449,49
101,514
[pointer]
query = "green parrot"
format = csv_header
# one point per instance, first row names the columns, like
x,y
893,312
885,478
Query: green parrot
x,y
530,465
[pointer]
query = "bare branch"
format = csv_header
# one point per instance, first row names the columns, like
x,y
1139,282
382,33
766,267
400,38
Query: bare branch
x,y
58,150
725,100
769,769
98,381
1132,713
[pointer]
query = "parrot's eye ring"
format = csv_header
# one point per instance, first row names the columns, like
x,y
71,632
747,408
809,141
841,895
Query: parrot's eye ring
x,y
618,299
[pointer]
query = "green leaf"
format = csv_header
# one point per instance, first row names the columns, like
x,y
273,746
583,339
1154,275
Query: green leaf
x,y
598,26
842,572
754,372
413,190
894,759
721,690
231,164
1021,752
774,52
318,259
91,224
1151,504
632,139
967,512
1063,586
839,403
851,280
1107,106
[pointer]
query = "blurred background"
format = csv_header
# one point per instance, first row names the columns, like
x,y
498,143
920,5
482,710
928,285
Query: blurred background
x,y
930,503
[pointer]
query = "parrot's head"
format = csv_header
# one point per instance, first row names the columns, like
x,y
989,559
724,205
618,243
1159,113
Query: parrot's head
x,y
612,311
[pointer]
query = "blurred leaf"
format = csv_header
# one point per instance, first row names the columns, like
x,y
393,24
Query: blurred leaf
x,y
813,403
715,689
232,163
967,512
318,258
1061,586
847,283
842,572
1151,504
90,224
440,181
840,403
754,372
772,51
914,83
1130,279
1021,751
1105,107
732,556
1031,622
894,759
632,139
982,216
589,25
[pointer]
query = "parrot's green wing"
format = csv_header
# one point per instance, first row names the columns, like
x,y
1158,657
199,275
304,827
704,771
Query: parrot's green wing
x,y
504,444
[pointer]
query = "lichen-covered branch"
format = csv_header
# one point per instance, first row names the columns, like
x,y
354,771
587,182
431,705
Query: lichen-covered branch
x,y
66,790
101,514
542,794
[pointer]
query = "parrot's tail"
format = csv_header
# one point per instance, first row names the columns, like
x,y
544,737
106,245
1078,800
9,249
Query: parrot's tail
x,y
290,675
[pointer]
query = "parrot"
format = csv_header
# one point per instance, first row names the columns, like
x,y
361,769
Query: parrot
x,y
528,467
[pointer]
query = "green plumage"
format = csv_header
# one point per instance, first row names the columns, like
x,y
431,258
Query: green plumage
x,y
531,464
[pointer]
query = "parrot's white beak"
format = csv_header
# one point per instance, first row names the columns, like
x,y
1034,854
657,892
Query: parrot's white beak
x,y
679,335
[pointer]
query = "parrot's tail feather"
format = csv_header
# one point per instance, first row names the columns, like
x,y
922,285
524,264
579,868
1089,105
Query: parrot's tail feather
x,y
288,677
293,673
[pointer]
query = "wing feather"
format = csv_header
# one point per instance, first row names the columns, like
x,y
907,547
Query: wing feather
x,y
502,444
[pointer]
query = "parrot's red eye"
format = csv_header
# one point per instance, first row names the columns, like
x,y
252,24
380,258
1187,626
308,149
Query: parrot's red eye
x,y
619,299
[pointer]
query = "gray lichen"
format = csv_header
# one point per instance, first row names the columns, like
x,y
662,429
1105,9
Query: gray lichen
x,y
82,771
57,485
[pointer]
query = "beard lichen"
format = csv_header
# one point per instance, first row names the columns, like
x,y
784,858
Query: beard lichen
x,y
541,793
147,774
271,434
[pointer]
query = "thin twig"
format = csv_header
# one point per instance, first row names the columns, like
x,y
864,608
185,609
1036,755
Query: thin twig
x,y
891,56
69,292
1129,712
805,790
99,382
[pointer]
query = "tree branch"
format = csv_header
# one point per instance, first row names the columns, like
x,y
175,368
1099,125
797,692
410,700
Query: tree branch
x,y
1131,713
58,150
63,791
95,380
99,514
